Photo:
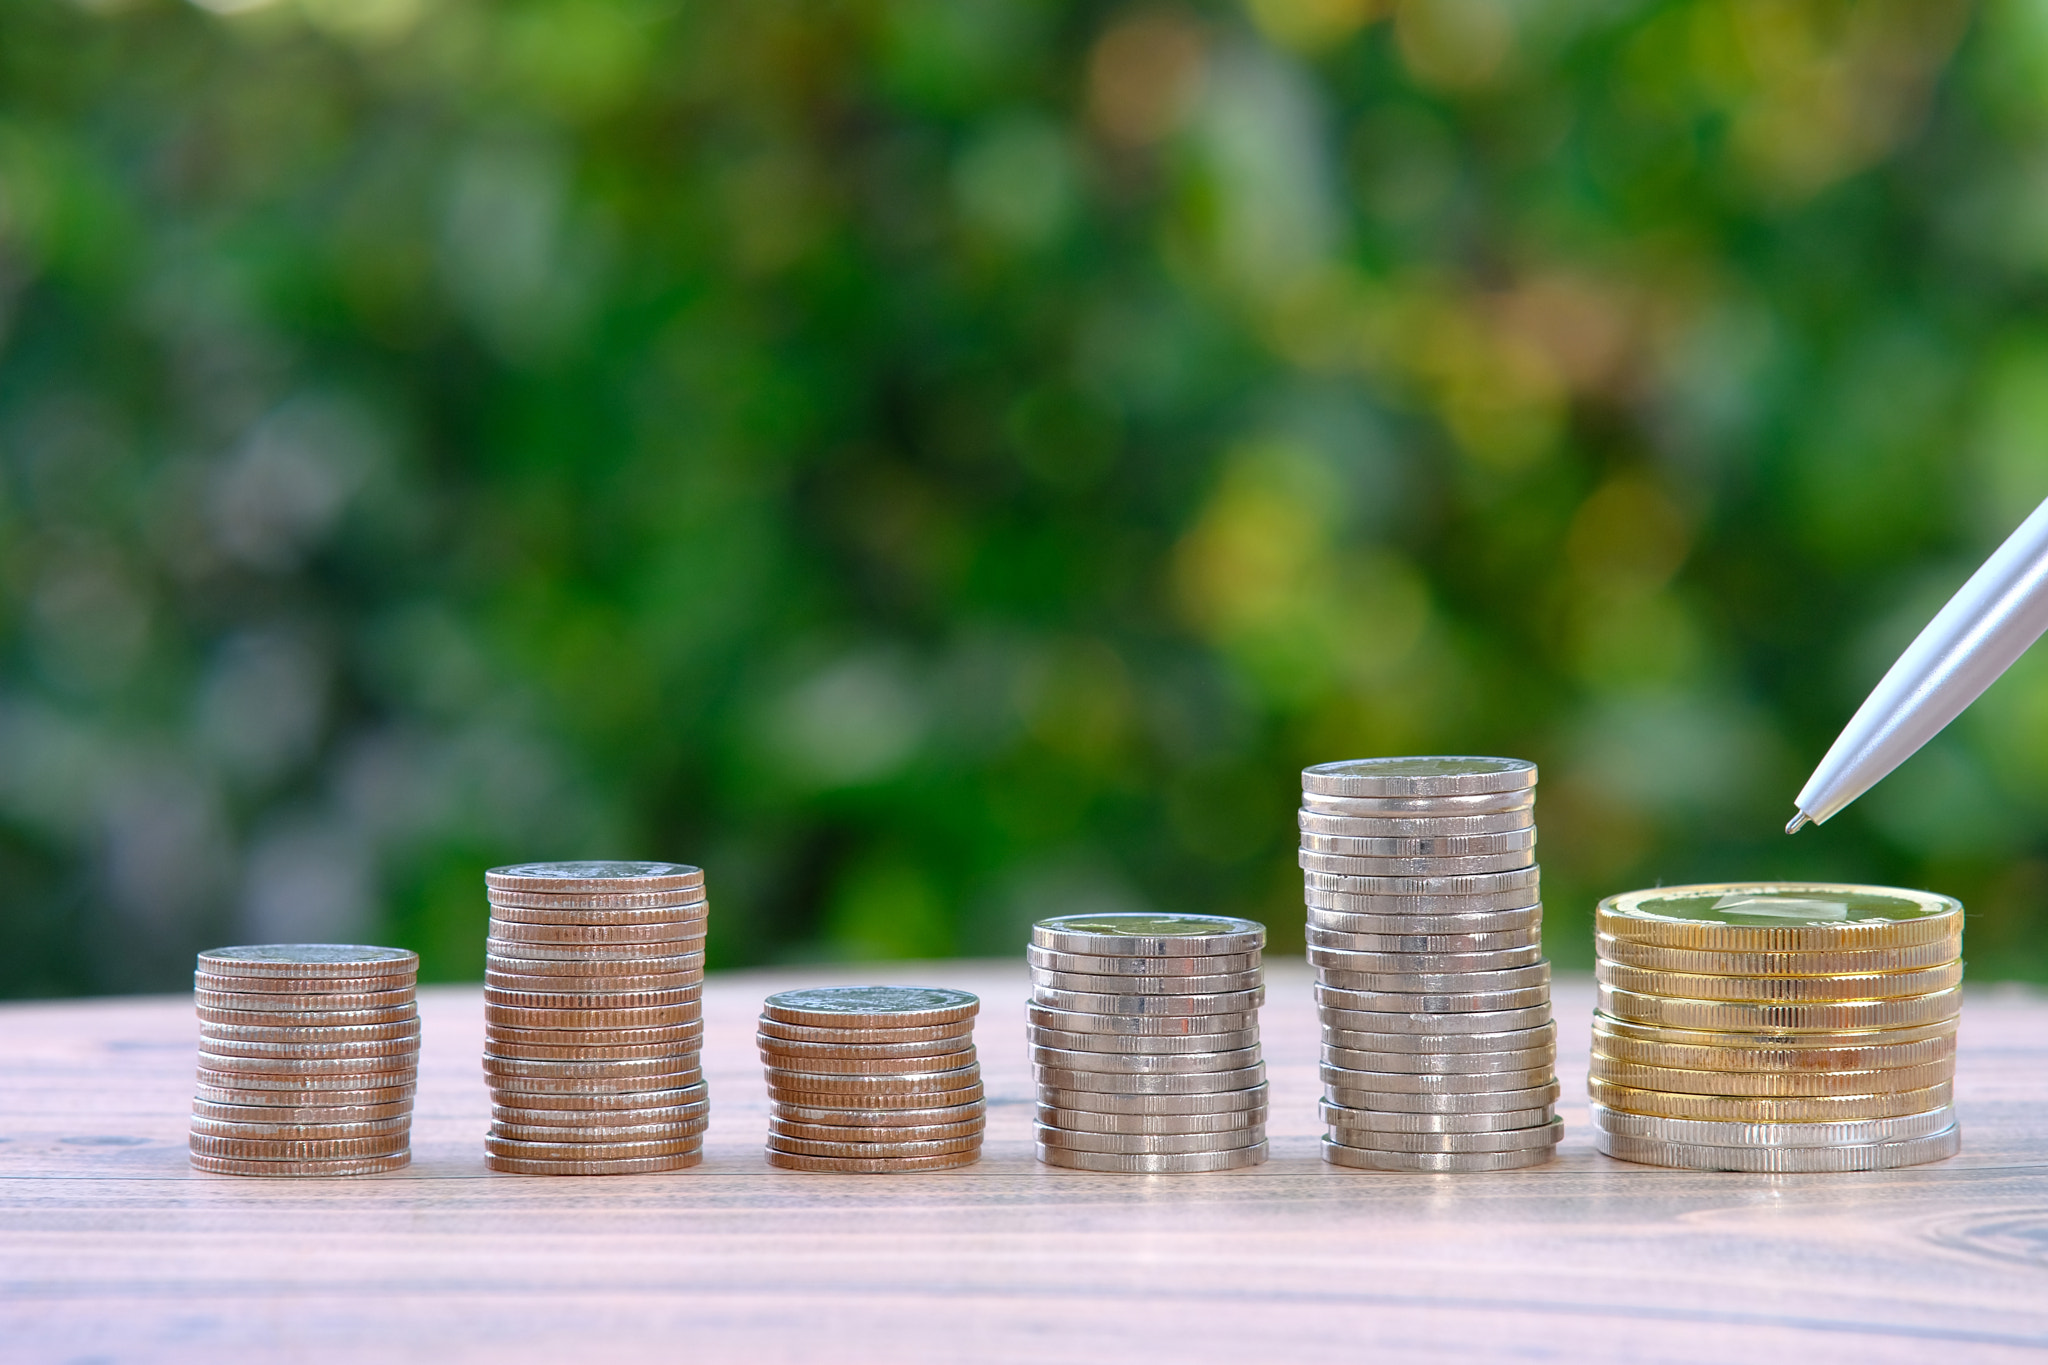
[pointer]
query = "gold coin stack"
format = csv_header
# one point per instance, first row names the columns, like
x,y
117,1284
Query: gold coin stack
x,y
1144,1033
1777,1027
869,1080
1425,927
307,1058
593,1022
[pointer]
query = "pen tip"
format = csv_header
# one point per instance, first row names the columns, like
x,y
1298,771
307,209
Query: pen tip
x,y
1796,823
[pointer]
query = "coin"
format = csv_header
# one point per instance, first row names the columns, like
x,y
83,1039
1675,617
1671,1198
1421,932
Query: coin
x,y
646,1166
1480,983
1139,1063
1773,1083
307,1066
1413,825
1795,1059
1803,1017
928,1081
1438,1163
1144,1045
310,959
836,1034
664,1097
510,1089
598,968
1511,1040
296,1101
1103,1102
896,1133
1200,1083
512,1049
785,1051
1126,964
1426,944
1447,1003
1710,1134
615,907
1521,894
393,1048
1854,961
528,1150
1379,869
1429,889
298,1149
301,1114
1382,1121
298,1035
1608,1024
1162,1144
513,1016
566,1124
1147,985
1430,775
1088,1121
1410,847
1130,1163
1780,917
870,1117
285,1086
1426,1083
284,1007
526,951
259,989
1799,989
1407,965
512,936
371,1165
592,1000
500,982
686,1032
1523,919
890,1150
1872,1156
1445,807
796,1161
1386,1023
1147,935
898,1006
1541,1058
1140,1025
820,1065
1545,1134
583,878
1747,1109
792,1099
1090,1002
674,1132
1499,1101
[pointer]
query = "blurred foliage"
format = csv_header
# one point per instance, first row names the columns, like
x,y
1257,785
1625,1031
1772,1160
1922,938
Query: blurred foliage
x,y
941,462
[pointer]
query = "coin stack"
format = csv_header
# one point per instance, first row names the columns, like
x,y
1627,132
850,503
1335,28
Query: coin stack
x,y
307,1059
1144,1034
867,1080
592,1018
1425,928
1774,1027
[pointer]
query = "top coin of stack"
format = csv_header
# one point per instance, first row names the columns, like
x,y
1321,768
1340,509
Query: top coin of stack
x,y
307,1059
867,1080
1777,1027
592,1018
1425,930
1144,1039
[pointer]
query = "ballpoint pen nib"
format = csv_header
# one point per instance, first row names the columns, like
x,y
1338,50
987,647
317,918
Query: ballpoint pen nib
x,y
1793,825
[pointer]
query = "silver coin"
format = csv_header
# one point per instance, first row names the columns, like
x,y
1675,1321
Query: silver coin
x,y
566,1123
1497,1102
506,950
892,1005
1444,1063
517,938
1380,1121
791,1099
1527,918
1419,775
348,1112
667,1098
1339,901
1422,1083
1087,1121
1093,1002
309,959
771,1046
1147,985
618,907
577,877
260,987
1437,983
406,1030
1413,847
285,1084
860,1033
1148,935
1141,1025
1151,1143
1152,1164
1377,869
1414,826
1432,888
596,970
1137,1064
1386,1023
1448,807
1143,1045
1423,964
847,1132
408,1046
389,1064
1509,1040
871,1083
1545,1134
1100,1102
1128,964
858,1117
251,1097
1113,1083
1871,1156
1435,1002
817,1064
505,1087
1438,1163
1708,1133
286,1131
1425,945
633,1132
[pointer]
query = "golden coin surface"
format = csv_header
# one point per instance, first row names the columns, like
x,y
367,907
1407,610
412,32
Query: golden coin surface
x,y
579,878
1780,917
592,1000
310,959
659,1165
1773,1083
871,1006
1780,1016
1772,989
369,1165
1137,934
1754,1109
1846,962
795,1161
1605,1023
1872,1156
1794,1059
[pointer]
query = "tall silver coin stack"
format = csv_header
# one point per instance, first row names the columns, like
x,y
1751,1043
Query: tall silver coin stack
x,y
870,1080
593,1021
308,1055
1144,1033
1425,930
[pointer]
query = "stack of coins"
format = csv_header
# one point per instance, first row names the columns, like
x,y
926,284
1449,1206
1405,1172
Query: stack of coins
x,y
593,1022
1777,1027
307,1059
1425,929
1144,1040
868,1080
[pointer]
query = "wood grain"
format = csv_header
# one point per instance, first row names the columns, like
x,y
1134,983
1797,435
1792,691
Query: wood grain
x,y
112,1249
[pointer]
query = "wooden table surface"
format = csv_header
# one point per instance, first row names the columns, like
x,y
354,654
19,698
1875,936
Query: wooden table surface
x,y
113,1249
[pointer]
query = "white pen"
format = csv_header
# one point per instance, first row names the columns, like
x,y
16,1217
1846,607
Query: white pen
x,y
1966,647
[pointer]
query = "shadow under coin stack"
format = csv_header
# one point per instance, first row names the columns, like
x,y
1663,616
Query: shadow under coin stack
x,y
593,1021
1144,1034
1777,1027
871,1080
1425,929
308,1054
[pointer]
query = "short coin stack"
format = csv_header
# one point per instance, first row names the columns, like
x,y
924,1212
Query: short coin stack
x,y
1425,928
1144,1040
592,1018
869,1080
307,1059
1776,1027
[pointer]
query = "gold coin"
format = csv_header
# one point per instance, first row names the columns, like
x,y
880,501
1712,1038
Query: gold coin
x,y
1770,989
594,1051
796,1161
1787,1084
1777,917
1742,1109
816,1064
367,1165
298,1149
1800,1017
1847,962
511,1165
1773,1038
1692,1058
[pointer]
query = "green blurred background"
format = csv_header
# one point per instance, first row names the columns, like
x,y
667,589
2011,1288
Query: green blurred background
x,y
937,463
